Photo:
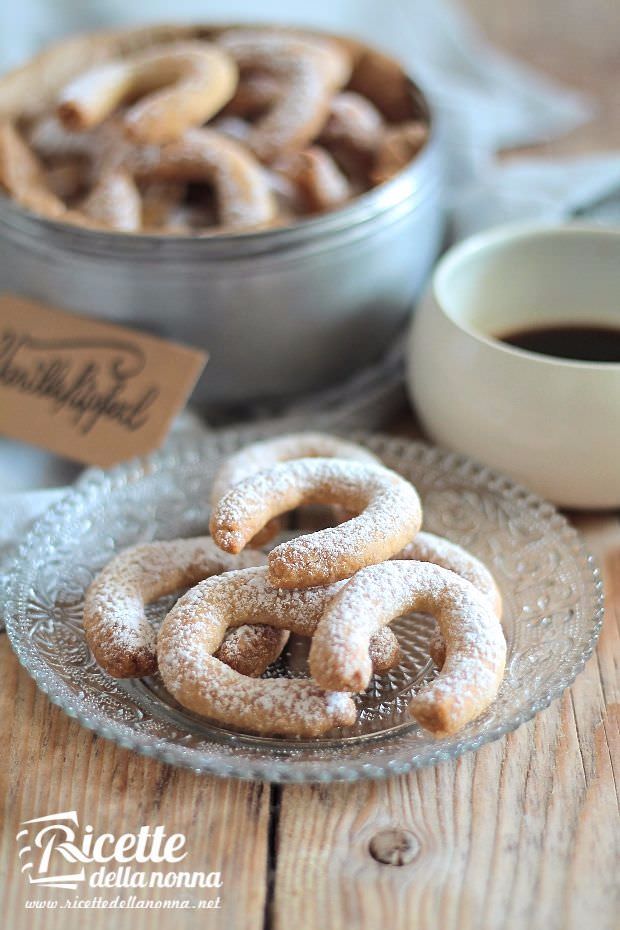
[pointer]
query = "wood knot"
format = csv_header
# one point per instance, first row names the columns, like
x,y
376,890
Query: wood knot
x,y
394,847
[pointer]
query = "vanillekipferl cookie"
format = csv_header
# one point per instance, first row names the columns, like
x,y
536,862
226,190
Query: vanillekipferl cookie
x,y
387,507
341,587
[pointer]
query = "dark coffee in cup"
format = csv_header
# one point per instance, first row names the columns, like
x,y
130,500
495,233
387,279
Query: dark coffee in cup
x,y
579,342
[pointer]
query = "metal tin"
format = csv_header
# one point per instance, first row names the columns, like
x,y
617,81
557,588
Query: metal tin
x,y
281,312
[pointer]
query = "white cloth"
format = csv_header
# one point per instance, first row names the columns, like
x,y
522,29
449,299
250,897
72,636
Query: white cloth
x,y
485,101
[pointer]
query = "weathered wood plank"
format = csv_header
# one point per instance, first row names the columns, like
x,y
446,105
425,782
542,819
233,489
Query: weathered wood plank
x,y
523,834
50,764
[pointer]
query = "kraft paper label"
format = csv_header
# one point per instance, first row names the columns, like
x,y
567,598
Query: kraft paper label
x,y
94,392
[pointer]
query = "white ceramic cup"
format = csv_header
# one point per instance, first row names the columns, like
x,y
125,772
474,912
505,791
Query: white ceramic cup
x,y
552,424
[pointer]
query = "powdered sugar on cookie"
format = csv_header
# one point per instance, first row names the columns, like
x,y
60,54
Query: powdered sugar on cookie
x,y
262,455
117,630
426,547
388,508
476,648
194,629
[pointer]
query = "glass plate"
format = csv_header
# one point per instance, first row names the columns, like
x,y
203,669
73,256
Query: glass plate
x,y
551,588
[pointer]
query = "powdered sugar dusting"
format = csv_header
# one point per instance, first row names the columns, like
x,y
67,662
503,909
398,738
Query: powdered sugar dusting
x,y
245,596
384,650
115,623
310,70
427,547
250,649
194,628
262,455
115,202
476,648
388,506
244,198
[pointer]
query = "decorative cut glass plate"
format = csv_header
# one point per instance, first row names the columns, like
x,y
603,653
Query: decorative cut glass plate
x,y
551,589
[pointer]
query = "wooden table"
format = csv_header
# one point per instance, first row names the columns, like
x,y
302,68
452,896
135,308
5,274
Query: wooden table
x,y
522,834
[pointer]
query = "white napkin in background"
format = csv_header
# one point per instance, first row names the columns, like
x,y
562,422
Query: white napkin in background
x,y
485,101
540,189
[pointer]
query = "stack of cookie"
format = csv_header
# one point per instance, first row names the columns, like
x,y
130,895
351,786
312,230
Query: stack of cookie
x,y
340,586
182,130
